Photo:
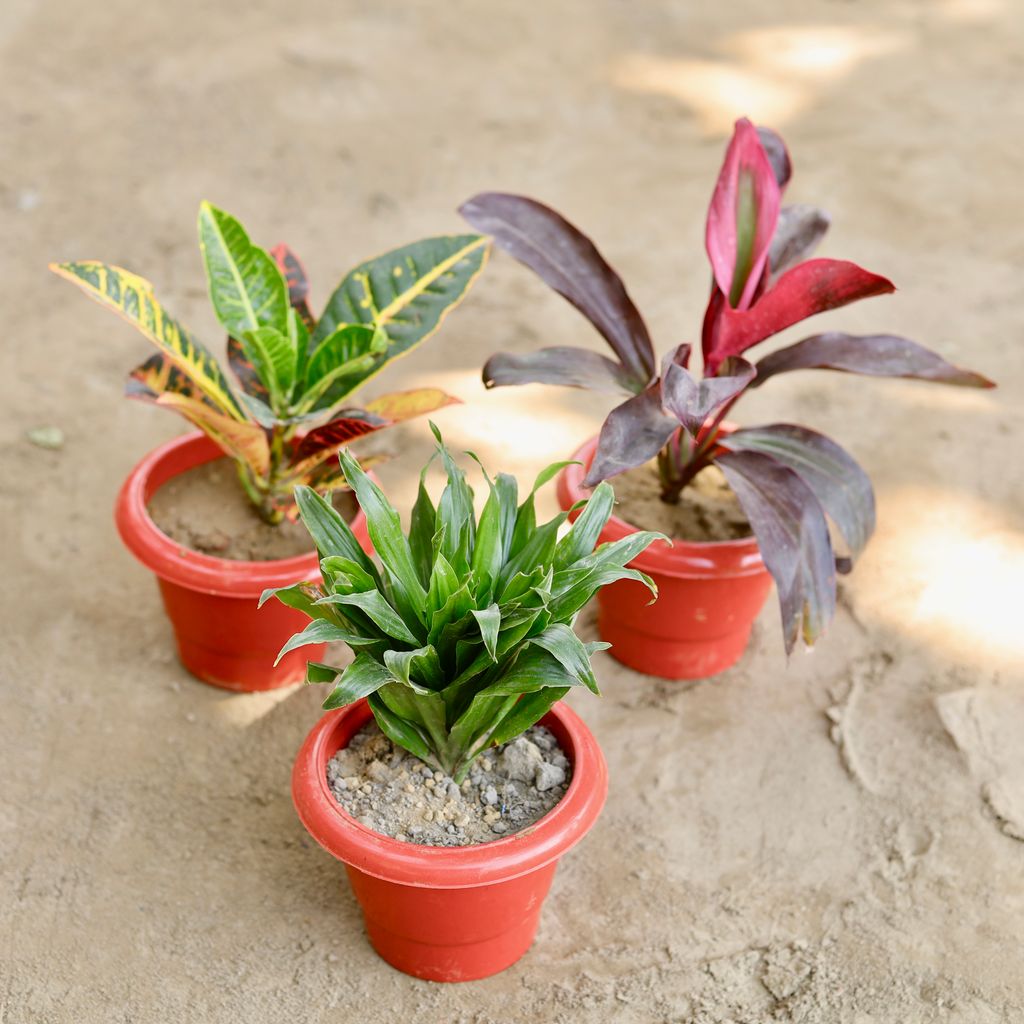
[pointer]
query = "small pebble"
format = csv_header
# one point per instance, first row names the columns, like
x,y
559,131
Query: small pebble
x,y
499,827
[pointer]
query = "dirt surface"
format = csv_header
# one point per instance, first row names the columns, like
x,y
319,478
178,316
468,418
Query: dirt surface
x,y
206,510
797,843
707,509
508,789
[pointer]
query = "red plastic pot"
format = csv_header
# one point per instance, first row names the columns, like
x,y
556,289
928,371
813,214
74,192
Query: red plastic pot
x,y
443,913
709,594
222,637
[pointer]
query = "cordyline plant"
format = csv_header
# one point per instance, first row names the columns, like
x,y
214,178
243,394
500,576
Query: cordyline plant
x,y
463,634
290,410
787,478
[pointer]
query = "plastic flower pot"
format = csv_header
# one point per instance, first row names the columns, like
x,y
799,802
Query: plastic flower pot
x,y
709,594
444,913
222,637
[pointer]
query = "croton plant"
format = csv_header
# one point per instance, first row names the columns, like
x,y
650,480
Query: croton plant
x,y
290,407
463,633
788,479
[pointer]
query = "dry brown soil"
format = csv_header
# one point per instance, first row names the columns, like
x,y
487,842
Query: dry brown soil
x,y
832,841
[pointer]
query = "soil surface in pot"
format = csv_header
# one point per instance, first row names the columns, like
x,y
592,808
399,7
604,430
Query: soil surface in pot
x,y
707,511
205,509
508,788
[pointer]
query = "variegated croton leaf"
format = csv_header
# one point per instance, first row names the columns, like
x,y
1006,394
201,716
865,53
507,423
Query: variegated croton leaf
x,y
293,410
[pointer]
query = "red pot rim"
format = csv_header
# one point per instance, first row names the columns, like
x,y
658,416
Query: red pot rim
x,y
686,559
444,867
183,566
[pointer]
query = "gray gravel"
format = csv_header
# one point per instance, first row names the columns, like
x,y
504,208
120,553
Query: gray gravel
x,y
508,789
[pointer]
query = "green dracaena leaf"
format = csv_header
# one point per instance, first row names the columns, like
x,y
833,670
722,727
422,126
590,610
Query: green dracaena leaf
x,y
373,604
330,533
385,529
321,632
247,289
570,652
401,731
132,297
361,679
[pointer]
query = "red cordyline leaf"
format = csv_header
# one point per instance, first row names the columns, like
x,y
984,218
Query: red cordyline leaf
x,y
742,216
813,286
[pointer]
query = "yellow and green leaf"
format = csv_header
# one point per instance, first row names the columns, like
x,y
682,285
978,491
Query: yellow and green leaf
x,y
245,441
340,363
407,291
274,357
132,297
247,289
404,405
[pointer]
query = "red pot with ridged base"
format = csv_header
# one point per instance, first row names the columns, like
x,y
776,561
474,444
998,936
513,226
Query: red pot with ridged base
x,y
709,594
222,637
449,913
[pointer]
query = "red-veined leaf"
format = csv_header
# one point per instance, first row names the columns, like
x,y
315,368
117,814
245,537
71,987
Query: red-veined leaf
x,y
568,262
814,286
742,216
793,537
298,282
873,355
345,427
634,432
245,373
842,487
563,364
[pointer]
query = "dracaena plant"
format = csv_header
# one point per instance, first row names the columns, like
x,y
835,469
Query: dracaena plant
x,y
789,479
290,406
463,633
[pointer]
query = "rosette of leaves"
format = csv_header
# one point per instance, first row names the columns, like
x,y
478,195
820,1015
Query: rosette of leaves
x,y
789,479
463,633
285,406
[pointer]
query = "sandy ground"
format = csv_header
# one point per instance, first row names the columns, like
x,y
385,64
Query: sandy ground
x,y
834,841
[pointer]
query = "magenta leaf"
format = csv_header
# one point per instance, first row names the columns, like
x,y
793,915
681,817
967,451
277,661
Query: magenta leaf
x,y
742,216
839,484
792,533
571,367
692,401
873,355
569,263
800,230
633,433
814,286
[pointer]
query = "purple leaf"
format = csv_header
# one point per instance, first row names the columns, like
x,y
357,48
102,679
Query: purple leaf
x,y
874,355
799,232
569,263
693,401
742,216
839,484
778,155
633,433
572,367
792,534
